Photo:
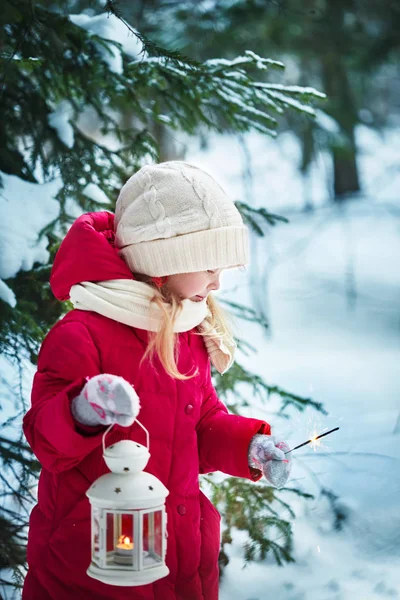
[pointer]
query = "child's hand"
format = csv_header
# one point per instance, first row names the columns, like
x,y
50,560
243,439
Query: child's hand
x,y
106,399
269,456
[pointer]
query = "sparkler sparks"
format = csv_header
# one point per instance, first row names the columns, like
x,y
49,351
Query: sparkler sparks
x,y
313,441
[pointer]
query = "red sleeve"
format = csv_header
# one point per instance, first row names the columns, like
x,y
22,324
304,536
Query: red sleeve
x,y
223,438
67,356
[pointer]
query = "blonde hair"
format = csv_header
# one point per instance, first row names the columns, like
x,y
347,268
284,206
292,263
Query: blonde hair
x,y
164,341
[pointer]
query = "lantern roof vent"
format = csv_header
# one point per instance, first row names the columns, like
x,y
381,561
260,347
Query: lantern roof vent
x,y
126,457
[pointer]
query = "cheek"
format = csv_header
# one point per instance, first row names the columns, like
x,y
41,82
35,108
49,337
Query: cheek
x,y
190,285
191,288
185,288
199,284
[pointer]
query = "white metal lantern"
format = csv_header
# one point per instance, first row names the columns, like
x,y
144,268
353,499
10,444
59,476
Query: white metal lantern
x,y
128,518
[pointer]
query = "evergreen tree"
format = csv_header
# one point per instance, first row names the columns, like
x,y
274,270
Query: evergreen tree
x,y
338,46
58,72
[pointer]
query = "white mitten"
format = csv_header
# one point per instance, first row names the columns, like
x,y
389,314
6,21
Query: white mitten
x,y
106,399
269,456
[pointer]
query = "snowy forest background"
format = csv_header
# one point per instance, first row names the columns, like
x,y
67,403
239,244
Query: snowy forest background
x,y
90,91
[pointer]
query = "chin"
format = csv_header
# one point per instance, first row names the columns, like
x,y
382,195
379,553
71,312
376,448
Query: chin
x,y
196,299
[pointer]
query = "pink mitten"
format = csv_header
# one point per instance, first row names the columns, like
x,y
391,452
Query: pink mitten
x,y
269,456
106,399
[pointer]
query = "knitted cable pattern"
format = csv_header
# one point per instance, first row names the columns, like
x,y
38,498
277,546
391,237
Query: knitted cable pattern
x,y
210,208
156,209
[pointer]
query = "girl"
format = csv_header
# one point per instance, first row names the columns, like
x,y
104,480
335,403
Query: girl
x,y
146,325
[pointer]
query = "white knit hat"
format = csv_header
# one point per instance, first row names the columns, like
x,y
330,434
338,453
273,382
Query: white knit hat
x,y
175,218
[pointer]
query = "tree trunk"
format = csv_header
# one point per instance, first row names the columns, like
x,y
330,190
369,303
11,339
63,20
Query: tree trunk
x,y
341,106
345,171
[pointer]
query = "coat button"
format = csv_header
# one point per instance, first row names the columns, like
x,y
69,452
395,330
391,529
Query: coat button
x,y
182,509
188,409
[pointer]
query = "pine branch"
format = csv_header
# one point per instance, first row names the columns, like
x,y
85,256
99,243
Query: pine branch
x,y
248,506
9,59
249,213
149,47
14,452
226,388
244,312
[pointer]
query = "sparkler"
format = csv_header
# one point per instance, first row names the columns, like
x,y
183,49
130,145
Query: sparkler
x,y
312,440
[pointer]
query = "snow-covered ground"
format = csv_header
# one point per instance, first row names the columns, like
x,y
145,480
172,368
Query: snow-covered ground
x,y
330,285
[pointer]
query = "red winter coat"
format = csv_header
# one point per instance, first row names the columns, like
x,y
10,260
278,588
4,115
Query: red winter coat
x,y
190,430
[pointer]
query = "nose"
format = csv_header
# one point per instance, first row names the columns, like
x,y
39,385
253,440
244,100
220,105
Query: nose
x,y
214,285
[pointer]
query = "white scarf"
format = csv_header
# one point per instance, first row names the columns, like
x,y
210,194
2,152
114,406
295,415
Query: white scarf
x,y
128,301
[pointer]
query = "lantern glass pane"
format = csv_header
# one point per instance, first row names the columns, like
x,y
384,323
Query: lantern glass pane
x,y
96,514
120,540
152,538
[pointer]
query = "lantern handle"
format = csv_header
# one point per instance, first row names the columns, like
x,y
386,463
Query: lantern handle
x,y
147,434
139,423
104,437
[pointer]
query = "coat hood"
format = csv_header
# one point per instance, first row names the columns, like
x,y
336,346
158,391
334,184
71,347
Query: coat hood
x,y
87,253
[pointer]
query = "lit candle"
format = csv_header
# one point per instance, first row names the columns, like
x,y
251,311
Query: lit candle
x,y
124,546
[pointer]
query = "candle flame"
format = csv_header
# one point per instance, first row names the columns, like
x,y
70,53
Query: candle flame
x,y
124,541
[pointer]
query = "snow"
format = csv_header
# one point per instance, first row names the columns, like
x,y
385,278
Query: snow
x,y
249,58
91,124
328,283
25,209
164,119
326,122
93,192
109,27
59,119
296,89
7,295
233,98
293,102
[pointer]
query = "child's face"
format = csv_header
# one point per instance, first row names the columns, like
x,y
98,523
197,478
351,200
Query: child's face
x,y
195,286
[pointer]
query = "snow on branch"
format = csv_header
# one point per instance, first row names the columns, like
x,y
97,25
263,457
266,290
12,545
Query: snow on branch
x,y
220,95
